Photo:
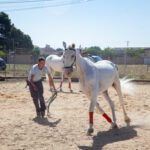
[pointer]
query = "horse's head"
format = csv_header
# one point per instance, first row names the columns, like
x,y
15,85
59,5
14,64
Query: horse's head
x,y
69,60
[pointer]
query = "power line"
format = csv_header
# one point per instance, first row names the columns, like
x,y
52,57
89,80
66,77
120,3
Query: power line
x,y
35,1
64,3
24,1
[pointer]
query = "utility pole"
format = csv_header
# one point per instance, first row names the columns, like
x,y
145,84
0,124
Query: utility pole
x,y
14,56
125,58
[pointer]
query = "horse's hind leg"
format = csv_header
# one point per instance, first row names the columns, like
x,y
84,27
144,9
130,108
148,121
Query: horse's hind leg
x,y
69,86
61,82
111,104
117,87
101,111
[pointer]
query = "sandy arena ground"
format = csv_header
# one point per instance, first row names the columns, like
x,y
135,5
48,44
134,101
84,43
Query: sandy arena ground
x,y
67,127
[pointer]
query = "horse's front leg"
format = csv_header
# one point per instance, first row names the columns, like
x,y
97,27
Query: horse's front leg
x,y
91,113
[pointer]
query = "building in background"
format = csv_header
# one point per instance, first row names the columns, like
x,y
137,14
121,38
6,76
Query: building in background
x,y
119,58
48,50
147,56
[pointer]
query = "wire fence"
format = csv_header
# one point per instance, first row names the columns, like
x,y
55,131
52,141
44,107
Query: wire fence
x,y
16,70
19,71
132,71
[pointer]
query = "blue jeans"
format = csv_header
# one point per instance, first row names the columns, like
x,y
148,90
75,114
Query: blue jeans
x,y
37,96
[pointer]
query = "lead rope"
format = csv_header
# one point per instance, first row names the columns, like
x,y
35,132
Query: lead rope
x,y
50,100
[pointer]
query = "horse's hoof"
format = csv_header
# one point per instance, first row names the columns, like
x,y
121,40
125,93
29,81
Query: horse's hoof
x,y
114,126
90,130
71,91
61,90
127,120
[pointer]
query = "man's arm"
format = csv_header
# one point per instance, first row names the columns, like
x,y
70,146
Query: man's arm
x,y
31,81
51,83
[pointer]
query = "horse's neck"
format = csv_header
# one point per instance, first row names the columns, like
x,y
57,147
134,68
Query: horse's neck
x,y
61,58
80,65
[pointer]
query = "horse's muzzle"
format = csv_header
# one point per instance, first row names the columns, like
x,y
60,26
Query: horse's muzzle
x,y
68,71
68,75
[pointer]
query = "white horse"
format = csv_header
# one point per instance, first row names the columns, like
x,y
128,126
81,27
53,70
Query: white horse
x,y
56,64
95,78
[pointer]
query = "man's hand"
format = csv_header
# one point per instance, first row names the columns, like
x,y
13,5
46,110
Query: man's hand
x,y
35,88
51,83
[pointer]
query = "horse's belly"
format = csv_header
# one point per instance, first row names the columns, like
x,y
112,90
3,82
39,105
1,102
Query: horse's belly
x,y
57,66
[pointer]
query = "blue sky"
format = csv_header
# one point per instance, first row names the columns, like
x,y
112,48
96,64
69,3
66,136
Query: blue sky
x,y
96,23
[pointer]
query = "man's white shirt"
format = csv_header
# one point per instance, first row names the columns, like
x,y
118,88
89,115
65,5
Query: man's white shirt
x,y
37,72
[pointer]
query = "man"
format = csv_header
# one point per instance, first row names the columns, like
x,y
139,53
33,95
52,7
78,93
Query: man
x,y
86,55
73,45
36,87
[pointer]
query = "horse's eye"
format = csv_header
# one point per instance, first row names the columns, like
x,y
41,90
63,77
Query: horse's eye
x,y
72,56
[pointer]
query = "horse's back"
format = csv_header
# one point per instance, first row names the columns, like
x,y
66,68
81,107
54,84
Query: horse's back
x,y
55,62
107,71
106,65
54,58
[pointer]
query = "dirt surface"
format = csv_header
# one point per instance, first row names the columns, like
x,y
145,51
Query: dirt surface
x,y
67,127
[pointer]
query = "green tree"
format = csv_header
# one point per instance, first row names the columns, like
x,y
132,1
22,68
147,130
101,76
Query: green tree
x,y
94,50
11,37
35,53
20,39
139,52
107,53
5,27
134,53
59,49
2,54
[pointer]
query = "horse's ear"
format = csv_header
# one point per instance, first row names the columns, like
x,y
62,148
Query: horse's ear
x,y
64,45
80,49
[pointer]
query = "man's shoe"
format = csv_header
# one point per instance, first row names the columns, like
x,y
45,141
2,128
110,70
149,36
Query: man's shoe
x,y
38,114
42,114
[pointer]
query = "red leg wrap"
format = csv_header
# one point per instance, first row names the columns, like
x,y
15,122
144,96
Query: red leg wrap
x,y
107,118
69,85
91,117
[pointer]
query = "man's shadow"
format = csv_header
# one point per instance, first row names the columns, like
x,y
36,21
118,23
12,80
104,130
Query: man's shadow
x,y
45,122
111,136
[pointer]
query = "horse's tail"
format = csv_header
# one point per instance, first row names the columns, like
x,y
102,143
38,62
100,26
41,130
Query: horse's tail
x,y
48,67
127,86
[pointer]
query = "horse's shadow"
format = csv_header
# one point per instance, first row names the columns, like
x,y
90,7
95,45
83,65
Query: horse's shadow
x,y
114,135
67,92
45,122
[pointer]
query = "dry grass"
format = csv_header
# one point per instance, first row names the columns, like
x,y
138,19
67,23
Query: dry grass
x,y
135,71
